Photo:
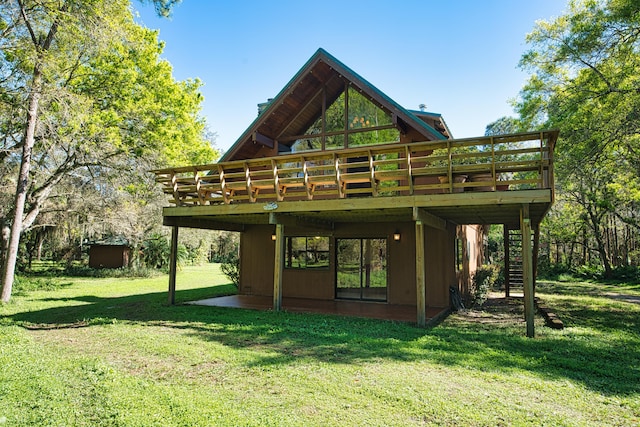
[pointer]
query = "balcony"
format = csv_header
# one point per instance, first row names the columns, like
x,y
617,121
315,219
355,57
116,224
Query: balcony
x,y
463,168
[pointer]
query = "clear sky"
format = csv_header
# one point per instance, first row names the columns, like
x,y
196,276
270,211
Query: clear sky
x,y
458,57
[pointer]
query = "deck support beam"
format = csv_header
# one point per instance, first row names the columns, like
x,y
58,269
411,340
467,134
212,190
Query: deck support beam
x,y
420,214
527,270
173,264
299,221
420,276
278,268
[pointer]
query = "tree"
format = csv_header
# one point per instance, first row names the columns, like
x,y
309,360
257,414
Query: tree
x,y
100,106
503,125
585,83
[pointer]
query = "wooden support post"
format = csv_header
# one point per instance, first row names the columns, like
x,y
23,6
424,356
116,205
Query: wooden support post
x,y
527,269
420,276
536,250
278,267
507,261
173,264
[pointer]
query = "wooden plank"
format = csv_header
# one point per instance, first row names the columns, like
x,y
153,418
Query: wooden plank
x,y
428,219
459,200
300,221
420,276
173,265
201,223
278,268
263,140
527,270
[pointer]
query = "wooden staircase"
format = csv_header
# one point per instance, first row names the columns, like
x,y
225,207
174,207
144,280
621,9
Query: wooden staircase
x,y
513,260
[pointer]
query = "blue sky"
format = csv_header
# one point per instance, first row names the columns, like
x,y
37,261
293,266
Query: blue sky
x,y
459,57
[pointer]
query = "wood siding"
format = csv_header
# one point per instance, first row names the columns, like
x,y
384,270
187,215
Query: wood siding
x,y
257,263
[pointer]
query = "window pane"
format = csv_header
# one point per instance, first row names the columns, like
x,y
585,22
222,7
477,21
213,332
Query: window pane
x,y
383,136
307,252
306,144
335,115
363,113
317,252
315,128
334,142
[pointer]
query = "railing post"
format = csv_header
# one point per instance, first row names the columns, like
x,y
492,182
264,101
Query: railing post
x,y
409,171
493,164
450,166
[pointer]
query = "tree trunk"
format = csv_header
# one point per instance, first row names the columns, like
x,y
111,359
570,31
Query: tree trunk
x,y
600,242
39,245
41,45
4,242
11,257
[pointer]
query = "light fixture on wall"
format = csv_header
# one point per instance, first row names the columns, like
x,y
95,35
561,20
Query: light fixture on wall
x,y
273,237
396,236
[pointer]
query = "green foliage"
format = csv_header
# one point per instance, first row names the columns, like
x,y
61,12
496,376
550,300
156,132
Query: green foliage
x,y
107,110
155,251
585,83
230,267
23,285
75,270
483,281
504,125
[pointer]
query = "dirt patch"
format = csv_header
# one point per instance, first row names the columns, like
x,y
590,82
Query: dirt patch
x,y
496,311
635,299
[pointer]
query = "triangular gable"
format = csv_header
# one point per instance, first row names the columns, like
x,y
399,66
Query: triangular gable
x,y
314,89
435,120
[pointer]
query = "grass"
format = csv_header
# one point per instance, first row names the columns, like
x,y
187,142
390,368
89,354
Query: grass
x,y
111,352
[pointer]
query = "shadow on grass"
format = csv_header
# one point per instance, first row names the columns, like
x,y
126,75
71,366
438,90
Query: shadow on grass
x,y
606,362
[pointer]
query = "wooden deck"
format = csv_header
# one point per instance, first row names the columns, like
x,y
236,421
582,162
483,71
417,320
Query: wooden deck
x,y
496,163
373,310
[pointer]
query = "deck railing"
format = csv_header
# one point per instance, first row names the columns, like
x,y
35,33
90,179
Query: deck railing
x,y
498,163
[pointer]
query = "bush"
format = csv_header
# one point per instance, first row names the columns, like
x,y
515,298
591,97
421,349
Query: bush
x,y
483,281
86,271
230,267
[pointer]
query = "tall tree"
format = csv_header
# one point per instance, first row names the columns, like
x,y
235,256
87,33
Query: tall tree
x,y
84,97
585,83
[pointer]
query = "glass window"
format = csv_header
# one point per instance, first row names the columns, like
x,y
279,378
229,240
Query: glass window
x,y
334,142
306,144
335,115
383,136
307,252
364,114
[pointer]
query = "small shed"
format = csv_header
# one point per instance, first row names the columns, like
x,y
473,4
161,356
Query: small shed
x,y
109,253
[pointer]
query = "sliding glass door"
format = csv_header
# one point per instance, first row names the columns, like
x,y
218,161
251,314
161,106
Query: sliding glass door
x,y
361,269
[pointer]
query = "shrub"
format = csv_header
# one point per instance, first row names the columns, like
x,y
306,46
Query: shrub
x,y
483,281
86,271
230,267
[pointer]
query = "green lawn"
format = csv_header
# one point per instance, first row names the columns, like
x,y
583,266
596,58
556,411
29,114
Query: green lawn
x,y
110,352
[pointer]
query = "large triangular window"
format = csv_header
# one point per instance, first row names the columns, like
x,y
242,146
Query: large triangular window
x,y
350,120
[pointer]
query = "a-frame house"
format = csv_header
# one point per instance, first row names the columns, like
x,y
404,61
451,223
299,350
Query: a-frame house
x,y
341,194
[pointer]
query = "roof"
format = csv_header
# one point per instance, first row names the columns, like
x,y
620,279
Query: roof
x,y
111,241
434,119
297,106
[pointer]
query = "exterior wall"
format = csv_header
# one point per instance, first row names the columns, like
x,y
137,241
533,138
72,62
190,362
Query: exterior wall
x,y
440,265
473,254
258,251
109,256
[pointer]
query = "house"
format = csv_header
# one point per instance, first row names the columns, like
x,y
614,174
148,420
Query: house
x,y
341,194
109,253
